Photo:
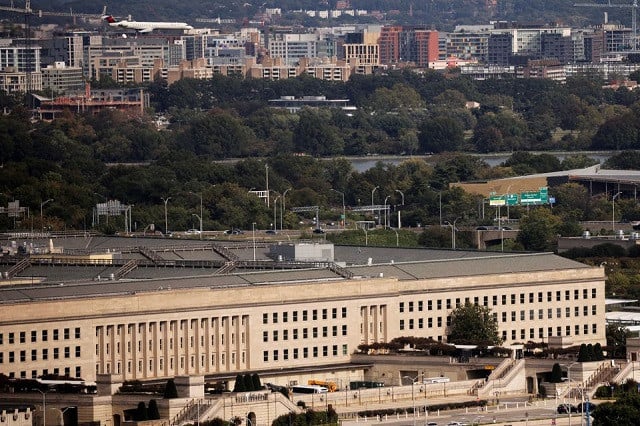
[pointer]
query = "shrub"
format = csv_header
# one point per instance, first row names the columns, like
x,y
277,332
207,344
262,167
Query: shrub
x,y
170,390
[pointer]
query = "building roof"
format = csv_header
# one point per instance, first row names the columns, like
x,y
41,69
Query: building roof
x,y
69,281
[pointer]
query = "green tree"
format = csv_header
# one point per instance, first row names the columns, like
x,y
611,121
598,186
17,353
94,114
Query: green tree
x,y
239,384
625,411
538,229
556,374
170,390
473,324
154,413
141,412
440,134
617,340
255,379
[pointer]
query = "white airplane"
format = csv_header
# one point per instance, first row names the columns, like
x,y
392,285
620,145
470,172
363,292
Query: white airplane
x,y
147,27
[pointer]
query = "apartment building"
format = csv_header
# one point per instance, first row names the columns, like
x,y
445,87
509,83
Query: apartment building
x,y
221,325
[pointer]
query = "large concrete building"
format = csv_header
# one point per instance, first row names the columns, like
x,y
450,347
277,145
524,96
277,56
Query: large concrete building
x,y
164,311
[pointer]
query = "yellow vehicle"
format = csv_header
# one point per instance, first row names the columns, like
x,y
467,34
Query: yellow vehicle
x,y
331,386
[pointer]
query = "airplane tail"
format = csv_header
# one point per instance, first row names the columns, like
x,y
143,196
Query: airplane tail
x,y
109,19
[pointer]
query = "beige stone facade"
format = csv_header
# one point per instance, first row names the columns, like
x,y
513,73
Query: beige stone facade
x,y
168,329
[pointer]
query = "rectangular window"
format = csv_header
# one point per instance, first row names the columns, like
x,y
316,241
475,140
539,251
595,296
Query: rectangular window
x,y
305,333
334,350
558,312
401,307
23,356
504,299
494,300
559,330
305,352
594,329
439,321
540,297
410,306
275,318
324,314
77,333
568,330
594,309
576,294
325,331
45,354
567,294
448,304
56,353
585,329
594,293
334,331
530,297
34,336
77,351
334,313
315,352
295,334
314,315
265,356
295,353
285,334
275,335
344,329
315,332
56,335
411,324
558,296
577,330
66,334
67,352
567,312
457,302
45,335
513,299
275,354
532,314
549,297
504,317
522,317
576,311
549,313
439,304
265,336
429,322
522,298
285,316
420,322
448,320
265,318
325,351
485,301
34,354
304,315
585,293
585,310
401,324
513,315
294,316
541,333
420,306
285,354
344,312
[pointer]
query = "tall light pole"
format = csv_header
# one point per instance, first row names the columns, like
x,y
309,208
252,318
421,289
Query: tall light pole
x,y
385,211
199,194
266,169
275,218
413,397
200,219
440,205
399,220
283,205
166,222
253,236
344,214
372,210
41,206
44,406
613,211
453,232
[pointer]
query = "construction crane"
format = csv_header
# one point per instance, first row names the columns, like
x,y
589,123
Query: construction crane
x,y
634,13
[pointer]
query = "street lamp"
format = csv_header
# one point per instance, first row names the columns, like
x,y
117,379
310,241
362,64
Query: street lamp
x,y
613,211
200,219
44,406
453,232
373,192
386,216
199,195
41,206
440,205
399,221
283,206
166,226
344,217
275,217
413,398
253,235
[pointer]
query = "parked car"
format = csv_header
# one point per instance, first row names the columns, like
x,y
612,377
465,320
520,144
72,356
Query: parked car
x,y
583,407
318,231
271,231
566,409
432,424
193,232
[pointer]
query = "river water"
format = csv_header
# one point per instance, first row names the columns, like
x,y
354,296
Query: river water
x,y
362,164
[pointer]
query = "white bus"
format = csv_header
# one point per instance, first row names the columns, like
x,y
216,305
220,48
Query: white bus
x,y
309,389
436,380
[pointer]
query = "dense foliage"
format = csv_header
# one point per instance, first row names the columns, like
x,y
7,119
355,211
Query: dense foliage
x,y
473,324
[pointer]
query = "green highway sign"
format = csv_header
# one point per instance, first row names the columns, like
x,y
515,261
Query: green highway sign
x,y
535,197
511,199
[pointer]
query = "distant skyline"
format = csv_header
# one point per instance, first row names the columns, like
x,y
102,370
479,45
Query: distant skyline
x,y
441,14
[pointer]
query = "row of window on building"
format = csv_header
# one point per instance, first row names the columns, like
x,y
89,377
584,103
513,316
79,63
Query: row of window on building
x,y
313,352
504,300
315,333
56,334
66,372
21,356
316,314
